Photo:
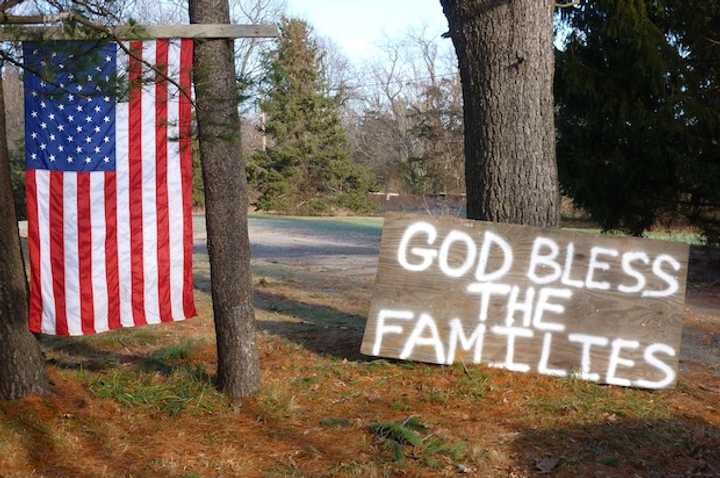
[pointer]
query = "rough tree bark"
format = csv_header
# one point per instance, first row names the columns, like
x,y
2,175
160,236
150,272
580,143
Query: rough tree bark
x,y
225,205
505,56
22,367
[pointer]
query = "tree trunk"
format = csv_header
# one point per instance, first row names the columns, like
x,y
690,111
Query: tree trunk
x,y
225,205
505,56
22,367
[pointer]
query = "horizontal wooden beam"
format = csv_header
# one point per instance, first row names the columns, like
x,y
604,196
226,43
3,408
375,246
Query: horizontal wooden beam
x,y
139,32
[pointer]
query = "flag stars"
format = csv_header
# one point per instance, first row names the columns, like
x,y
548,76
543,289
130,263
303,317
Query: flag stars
x,y
78,129
78,149
61,107
43,146
61,148
43,104
34,135
69,159
106,159
87,159
106,139
43,125
79,108
52,137
106,119
33,156
61,127
88,119
97,109
51,116
71,97
70,139
52,158
97,129
88,140
97,149
34,114
71,118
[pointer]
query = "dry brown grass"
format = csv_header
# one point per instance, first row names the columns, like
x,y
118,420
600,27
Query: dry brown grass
x,y
140,403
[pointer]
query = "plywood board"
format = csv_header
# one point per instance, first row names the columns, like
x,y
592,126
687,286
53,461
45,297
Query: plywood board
x,y
533,300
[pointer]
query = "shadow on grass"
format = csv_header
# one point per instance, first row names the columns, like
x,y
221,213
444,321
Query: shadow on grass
x,y
82,354
674,447
322,329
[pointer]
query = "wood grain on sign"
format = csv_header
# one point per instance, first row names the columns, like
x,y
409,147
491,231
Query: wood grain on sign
x,y
612,308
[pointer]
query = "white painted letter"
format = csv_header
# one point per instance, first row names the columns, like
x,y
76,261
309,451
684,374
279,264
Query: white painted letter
x,y
525,306
595,265
547,260
382,329
490,238
511,333
615,360
652,360
427,254
543,305
627,259
457,333
545,357
671,280
456,236
567,268
486,289
416,338
587,342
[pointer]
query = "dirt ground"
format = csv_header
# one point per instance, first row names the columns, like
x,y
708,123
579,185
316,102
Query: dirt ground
x,y
140,403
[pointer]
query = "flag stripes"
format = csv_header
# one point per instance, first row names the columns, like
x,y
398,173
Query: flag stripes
x,y
111,249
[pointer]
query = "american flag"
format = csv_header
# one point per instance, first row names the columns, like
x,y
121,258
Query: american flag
x,y
108,184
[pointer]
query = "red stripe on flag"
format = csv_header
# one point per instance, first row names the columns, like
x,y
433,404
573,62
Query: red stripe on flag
x,y
185,122
35,311
111,252
136,186
161,178
57,250
87,313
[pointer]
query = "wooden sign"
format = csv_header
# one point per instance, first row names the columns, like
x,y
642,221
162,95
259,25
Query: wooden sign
x,y
601,308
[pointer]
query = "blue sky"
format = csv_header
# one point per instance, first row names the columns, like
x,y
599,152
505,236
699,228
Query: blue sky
x,y
357,26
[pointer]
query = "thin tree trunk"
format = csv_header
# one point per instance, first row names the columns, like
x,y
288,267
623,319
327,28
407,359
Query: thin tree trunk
x,y
225,205
22,367
505,56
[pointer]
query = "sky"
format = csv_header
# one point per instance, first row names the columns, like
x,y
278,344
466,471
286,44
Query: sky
x,y
358,26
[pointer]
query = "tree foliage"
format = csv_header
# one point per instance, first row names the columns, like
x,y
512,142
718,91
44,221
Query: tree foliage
x,y
306,169
638,96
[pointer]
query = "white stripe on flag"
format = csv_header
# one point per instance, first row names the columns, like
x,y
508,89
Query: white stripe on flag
x,y
122,166
42,179
175,207
70,248
149,206
99,278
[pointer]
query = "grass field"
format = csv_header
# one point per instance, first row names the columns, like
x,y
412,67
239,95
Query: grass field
x,y
141,403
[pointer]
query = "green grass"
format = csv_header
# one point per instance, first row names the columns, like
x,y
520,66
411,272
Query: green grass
x,y
335,422
589,402
676,236
186,388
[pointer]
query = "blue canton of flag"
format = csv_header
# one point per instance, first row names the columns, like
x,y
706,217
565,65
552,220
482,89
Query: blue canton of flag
x,y
69,119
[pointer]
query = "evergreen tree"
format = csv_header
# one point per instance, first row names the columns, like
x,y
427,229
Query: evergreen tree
x,y
306,169
637,112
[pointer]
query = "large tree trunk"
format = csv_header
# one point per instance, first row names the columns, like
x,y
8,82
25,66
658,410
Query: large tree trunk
x,y
505,55
22,367
225,205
